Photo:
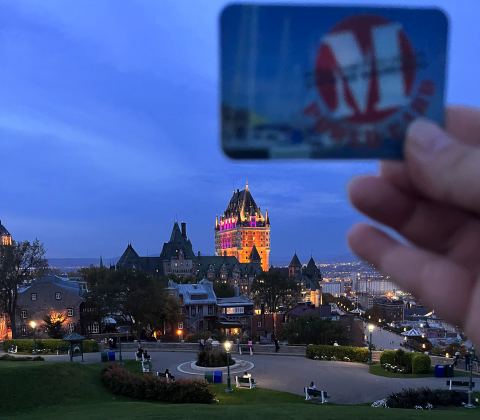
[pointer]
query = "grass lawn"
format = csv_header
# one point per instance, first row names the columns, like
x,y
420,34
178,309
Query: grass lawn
x,y
47,390
376,369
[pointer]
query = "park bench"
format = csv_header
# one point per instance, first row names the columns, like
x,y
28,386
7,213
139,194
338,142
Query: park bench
x,y
246,349
166,376
12,349
460,384
145,367
313,393
138,359
245,382
67,349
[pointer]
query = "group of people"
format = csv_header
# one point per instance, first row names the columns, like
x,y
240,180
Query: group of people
x,y
142,354
467,359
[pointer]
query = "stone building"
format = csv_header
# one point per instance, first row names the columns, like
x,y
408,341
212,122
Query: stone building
x,y
5,237
242,228
50,295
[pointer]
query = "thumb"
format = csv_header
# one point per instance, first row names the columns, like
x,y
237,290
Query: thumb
x,y
441,167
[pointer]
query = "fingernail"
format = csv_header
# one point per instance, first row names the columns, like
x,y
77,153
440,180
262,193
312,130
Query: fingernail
x,y
425,139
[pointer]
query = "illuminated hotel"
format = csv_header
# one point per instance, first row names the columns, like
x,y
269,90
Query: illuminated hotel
x,y
242,231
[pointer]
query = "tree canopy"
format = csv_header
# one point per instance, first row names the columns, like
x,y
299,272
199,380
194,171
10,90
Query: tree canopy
x,y
311,329
20,262
223,290
53,325
276,291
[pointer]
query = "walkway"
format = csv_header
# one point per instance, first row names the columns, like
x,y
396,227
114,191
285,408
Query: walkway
x,y
347,383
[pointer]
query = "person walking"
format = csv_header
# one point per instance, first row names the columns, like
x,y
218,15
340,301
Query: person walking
x,y
238,344
277,347
467,362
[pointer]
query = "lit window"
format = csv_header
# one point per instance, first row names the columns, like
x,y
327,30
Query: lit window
x,y
180,325
58,296
23,314
70,312
71,327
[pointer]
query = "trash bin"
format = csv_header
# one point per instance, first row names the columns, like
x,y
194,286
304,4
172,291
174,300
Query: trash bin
x,y
439,371
209,376
448,369
217,377
104,356
111,356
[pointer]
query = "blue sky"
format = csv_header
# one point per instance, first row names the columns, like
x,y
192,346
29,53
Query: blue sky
x,y
108,128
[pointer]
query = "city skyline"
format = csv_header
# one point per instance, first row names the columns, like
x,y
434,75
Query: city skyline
x,y
108,120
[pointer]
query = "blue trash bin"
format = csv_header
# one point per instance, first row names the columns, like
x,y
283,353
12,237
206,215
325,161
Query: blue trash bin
x,y
439,371
111,356
217,377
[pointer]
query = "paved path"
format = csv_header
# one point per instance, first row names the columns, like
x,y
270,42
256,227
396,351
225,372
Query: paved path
x,y
347,383
383,339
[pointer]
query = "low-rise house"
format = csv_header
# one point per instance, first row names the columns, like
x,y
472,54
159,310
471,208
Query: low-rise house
x,y
49,295
235,313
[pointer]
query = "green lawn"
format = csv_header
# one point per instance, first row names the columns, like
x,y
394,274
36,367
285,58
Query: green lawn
x,y
376,369
50,390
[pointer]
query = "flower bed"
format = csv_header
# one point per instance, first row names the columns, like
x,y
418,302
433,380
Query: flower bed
x,y
320,352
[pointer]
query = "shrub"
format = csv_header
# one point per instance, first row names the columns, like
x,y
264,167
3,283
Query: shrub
x,y
355,354
425,398
148,387
11,358
193,338
421,363
209,359
387,356
47,345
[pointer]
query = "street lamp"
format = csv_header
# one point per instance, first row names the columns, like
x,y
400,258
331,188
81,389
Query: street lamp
x,y
33,325
229,390
370,328
120,361
471,350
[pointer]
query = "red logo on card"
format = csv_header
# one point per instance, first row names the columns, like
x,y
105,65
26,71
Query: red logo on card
x,y
365,69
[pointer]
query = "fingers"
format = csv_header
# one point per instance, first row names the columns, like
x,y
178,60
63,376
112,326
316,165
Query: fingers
x,y
463,123
427,224
442,168
419,272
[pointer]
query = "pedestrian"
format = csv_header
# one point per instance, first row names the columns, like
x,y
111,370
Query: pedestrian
x,y
457,357
202,344
238,344
467,361
110,343
277,347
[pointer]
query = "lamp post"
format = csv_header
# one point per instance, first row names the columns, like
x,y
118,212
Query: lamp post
x,y
120,361
471,350
229,390
370,328
33,325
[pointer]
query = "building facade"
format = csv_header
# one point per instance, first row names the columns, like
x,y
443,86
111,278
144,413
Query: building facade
x,y
242,229
49,295
5,237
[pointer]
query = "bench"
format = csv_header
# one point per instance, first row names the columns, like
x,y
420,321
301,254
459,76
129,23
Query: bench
x,y
67,349
12,349
246,349
145,367
313,393
166,376
146,360
240,381
460,383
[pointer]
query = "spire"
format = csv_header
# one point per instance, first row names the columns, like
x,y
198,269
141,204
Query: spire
x,y
246,186
267,219
255,256
101,261
216,222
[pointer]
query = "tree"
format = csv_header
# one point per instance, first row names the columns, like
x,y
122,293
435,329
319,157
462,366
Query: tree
x,y
373,314
132,295
223,290
275,290
53,325
311,329
19,263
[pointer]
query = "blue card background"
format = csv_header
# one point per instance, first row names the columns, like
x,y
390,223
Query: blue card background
x,y
267,50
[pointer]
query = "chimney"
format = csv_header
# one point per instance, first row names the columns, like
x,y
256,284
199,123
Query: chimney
x,y
184,230
199,256
236,289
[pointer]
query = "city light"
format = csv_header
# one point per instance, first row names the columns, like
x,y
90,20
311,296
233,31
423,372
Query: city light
x,y
33,324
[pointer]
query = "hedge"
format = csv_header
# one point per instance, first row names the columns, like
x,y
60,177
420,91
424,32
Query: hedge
x,y
355,354
421,363
149,387
26,345
414,362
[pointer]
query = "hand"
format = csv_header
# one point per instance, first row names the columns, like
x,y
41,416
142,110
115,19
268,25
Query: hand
x,y
432,199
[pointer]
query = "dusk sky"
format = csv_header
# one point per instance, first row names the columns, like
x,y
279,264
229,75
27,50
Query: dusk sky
x,y
109,128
